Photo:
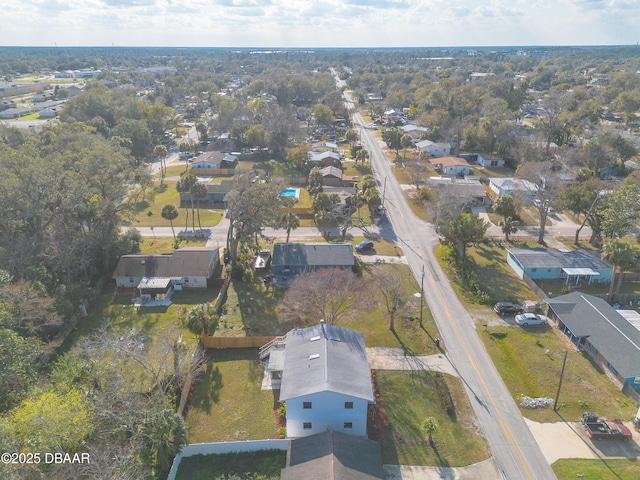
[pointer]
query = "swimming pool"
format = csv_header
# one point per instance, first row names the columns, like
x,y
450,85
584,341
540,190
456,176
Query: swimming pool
x,y
291,192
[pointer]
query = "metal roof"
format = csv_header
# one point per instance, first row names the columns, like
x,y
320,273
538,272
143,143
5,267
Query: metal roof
x,y
336,362
313,254
154,282
185,262
617,340
552,258
582,272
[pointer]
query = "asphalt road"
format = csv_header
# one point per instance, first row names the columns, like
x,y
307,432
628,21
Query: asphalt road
x,y
514,449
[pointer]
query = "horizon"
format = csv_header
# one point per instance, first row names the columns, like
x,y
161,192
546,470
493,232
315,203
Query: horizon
x,y
320,23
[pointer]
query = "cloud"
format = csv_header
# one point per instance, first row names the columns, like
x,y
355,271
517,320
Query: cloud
x,y
130,3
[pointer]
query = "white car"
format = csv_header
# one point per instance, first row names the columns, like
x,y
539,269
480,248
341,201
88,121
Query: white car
x,y
526,319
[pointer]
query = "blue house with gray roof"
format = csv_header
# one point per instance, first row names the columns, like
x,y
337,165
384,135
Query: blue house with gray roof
x,y
574,266
326,381
592,325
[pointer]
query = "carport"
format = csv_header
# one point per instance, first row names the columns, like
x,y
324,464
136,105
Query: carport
x,y
578,274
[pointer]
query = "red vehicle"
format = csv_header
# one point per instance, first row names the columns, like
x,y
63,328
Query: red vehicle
x,y
601,428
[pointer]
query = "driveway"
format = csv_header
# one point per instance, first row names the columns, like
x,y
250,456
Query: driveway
x,y
568,440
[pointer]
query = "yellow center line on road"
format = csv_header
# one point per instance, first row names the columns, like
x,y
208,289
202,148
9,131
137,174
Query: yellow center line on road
x,y
475,367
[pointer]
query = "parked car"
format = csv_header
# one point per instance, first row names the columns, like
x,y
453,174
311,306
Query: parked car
x,y
507,308
364,246
526,319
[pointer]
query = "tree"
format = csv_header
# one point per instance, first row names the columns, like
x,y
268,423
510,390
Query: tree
x,y
619,210
323,206
582,200
315,181
389,283
541,190
162,435
417,175
362,155
199,191
406,141
298,156
137,132
322,115
49,420
351,136
290,221
392,138
331,294
189,182
202,319
505,205
184,187
430,426
170,212
623,257
463,230
21,359
509,226
161,152
372,197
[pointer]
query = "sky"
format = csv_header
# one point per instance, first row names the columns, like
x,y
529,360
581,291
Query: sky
x,y
318,23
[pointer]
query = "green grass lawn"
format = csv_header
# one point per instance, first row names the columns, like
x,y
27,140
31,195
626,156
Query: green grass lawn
x,y
359,170
407,399
205,467
605,469
150,214
165,244
521,358
228,403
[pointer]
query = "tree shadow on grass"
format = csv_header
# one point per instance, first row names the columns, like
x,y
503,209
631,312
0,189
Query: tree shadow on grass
x,y
209,389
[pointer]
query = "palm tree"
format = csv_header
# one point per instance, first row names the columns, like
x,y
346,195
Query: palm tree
x,y
509,226
430,426
322,218
199,190
161,152
170,212
183,187
623,257
372,197
290,221
362,155
405,142
189,182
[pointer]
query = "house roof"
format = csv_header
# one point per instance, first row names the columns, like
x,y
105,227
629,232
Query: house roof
x,y
316,156
428,143
510,183
331,171
313,254
223,187
449,162
185,262
553,258
316,358
615,338
333,456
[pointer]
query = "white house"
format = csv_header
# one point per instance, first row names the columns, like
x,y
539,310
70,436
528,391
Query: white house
x,y
510,185
188,267
415,131
451,165
326,382
325,158
434,149
484,159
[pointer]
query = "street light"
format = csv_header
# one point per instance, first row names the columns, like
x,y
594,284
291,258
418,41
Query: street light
x,y
421,294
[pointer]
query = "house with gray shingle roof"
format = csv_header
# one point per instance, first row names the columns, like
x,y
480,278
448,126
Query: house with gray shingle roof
x,y
331,456
595,327
549,263
320,391
295,258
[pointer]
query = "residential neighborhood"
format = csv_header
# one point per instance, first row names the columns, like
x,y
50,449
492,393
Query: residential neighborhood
x,y
341,264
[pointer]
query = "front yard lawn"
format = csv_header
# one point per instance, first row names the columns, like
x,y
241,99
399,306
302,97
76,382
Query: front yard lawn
x,y
407,399
605,469
165,244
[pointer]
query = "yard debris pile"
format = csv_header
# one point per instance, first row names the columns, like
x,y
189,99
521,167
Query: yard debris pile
x,y
541,402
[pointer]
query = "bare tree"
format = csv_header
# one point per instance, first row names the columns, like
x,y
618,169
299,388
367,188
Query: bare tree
x,y
541,190
417,175
332,294
389,283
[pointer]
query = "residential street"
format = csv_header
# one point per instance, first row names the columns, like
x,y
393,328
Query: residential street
x,y
514,449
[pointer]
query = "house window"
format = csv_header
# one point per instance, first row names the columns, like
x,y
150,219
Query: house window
x,y
130,279
306,425
348,425
348,405
534,269
186,279
306,405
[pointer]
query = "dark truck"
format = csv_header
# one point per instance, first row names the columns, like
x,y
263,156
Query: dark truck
x,y
601,428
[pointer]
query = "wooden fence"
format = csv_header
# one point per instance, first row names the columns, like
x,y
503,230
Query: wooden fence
x,y
532,285
234,342
216,172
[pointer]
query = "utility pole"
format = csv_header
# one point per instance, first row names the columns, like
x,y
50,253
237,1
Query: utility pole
x,y
564,362
421,293
384,191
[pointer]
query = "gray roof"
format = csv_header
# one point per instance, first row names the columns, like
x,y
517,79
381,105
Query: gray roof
x,y
331,456
325,358
553,258
185,262
615,338
313,254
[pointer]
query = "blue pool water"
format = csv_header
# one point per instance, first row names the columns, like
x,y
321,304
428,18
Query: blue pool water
x,y
290,192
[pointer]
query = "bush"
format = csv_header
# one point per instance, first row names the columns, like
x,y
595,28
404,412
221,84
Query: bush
x,y
282,431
